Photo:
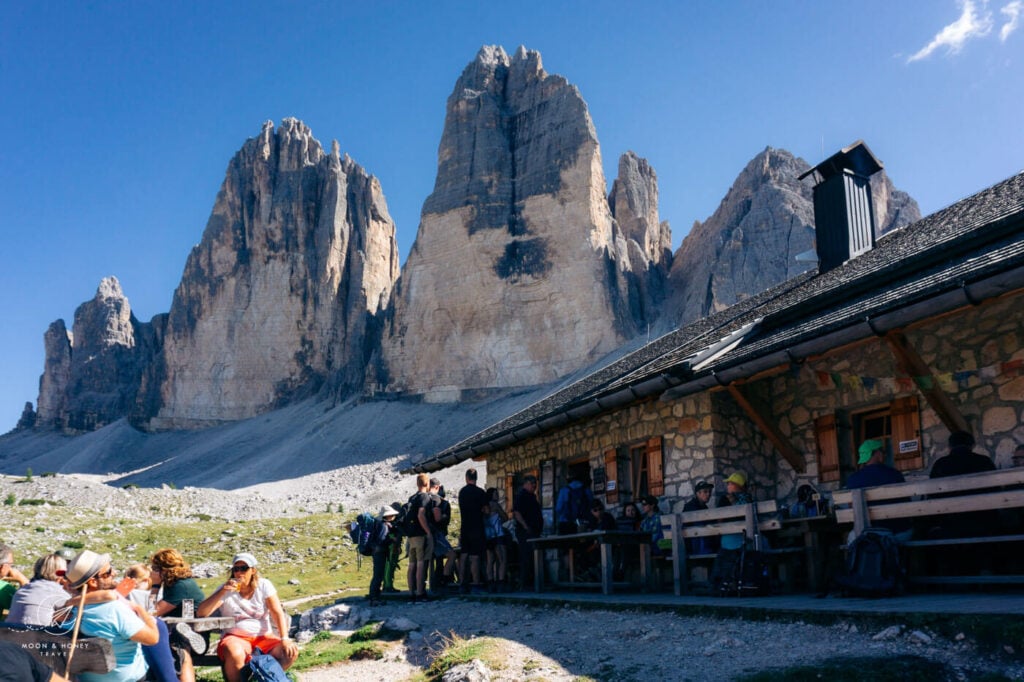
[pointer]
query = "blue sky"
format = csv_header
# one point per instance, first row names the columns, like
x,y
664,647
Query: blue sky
x,y
120,118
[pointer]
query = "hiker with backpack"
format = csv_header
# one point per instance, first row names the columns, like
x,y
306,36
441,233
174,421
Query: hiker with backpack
x,y
381,547
419,513
572,508
442,564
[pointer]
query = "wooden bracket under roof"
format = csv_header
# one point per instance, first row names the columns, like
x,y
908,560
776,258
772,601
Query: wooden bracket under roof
x,y
771,431
912,364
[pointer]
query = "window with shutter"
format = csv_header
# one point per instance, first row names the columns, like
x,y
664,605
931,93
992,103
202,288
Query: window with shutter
x,y
828,448
906,434
638,462
611,472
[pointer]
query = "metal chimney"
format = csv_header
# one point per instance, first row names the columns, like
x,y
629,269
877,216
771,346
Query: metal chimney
x,y
844,217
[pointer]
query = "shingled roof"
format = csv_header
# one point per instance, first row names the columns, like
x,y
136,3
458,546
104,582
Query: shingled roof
x,y
966,253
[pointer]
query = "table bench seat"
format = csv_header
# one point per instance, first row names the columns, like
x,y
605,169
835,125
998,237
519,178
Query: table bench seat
x,y
987,491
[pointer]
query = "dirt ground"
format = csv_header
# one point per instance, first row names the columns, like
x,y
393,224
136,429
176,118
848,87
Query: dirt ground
x,y
559,643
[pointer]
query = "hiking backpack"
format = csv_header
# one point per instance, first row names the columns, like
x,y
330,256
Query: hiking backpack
x,y
408,522
263,668
579,505
368,533
872,565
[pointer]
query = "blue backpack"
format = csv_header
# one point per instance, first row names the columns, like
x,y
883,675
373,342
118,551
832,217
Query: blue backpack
x,y
367,533
263,668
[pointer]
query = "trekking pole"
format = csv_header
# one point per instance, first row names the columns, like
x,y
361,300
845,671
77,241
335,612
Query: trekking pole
x,y
74,632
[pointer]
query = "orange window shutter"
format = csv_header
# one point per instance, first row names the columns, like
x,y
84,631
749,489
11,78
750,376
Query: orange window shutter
x,y
510,493
906,434
611,477
655,468
828,448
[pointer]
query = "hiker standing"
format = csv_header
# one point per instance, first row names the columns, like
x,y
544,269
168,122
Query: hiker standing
x,y
473,538
529,524
421,537
442,563
394,553
572,508
381,552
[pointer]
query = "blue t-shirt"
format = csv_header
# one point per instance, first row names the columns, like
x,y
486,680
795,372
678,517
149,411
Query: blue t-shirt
x,y
115,621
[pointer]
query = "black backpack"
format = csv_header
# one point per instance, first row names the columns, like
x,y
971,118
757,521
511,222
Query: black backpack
x,y
872,565
408,522
740,573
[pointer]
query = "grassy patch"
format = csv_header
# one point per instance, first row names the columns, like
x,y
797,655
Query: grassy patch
x,y
855,669
311,551
455,651
327,649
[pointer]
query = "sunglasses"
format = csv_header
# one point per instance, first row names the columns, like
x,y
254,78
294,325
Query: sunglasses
x,y
106,574
239,569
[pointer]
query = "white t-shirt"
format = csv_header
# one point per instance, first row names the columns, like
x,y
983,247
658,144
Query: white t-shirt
x,y
252,616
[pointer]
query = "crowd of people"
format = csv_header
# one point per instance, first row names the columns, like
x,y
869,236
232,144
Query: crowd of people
x,y
82,593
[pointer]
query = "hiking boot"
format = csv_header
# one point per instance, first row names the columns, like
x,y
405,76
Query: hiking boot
x,y
391,590
194,639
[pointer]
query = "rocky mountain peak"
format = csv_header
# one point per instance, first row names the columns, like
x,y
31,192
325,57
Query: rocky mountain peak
x,y
541,272
751,241
275,301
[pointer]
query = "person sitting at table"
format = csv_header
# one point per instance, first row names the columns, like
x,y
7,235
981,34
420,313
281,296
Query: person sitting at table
x,y
961,458
253,602
10,577
36,603
126,624
171,583
590,556
735,494
874,471
629,518
701,496
651,523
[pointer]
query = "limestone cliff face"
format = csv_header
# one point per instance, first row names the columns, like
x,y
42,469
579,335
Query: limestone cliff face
x,y
519,273
91,377
750,243
53,384
298,255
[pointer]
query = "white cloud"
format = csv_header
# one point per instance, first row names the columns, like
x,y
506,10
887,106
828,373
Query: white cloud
x,y
971,24
1012,12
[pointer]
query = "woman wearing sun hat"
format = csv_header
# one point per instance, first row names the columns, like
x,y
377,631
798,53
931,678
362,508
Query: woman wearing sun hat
x,y
252,601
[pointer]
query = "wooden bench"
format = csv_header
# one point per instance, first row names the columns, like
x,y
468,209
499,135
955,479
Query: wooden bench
x,y
712,523
51,646
985,491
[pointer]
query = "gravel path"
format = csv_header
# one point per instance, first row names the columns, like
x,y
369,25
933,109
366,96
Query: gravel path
x,y
561,643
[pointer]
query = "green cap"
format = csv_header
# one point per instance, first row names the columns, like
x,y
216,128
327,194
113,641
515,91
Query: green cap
x,y
867,448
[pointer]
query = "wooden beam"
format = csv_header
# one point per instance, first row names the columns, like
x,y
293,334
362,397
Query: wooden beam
x,y
785,448
912,364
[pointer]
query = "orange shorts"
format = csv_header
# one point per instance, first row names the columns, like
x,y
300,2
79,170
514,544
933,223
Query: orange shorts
x,y
264,642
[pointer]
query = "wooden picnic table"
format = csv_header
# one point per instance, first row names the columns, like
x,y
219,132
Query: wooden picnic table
x,y
810,530
207,624
606,539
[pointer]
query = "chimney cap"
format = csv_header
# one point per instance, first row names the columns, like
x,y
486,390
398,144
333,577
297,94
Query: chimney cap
x,y
855,157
